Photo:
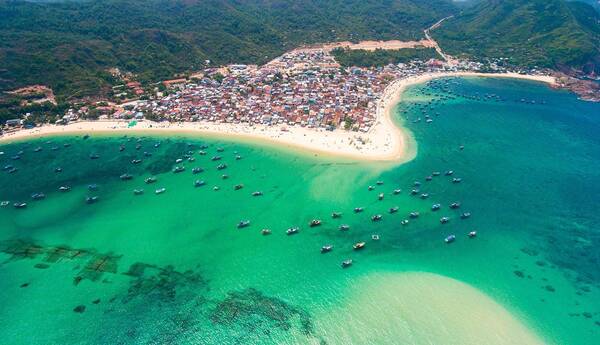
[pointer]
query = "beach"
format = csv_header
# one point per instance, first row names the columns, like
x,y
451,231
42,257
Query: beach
x,y
385,141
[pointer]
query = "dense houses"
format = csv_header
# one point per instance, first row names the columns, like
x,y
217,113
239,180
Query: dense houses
x,y
304,87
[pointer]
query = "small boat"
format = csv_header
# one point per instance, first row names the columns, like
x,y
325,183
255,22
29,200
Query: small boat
x,y
436,207
15,158
150,180
344,227
450,239
125,177
86,136
336,215
202,153
449,173
314,222
243,224
199,183
215,188
376,217
191,159
472,234
92,186
94,156
38,196
221,166
136,161
404,222
91,199
435,173
358,209
238,157
461,147
265,232
375,237
160,190
359,245
416,183
138,146
380,197
346,263
4,203
37,149
238,186
292,231
455,205
67,145
224,176
424,196
147,154
197,170
379,183
456,180
414,215
156,145
465,215
138,191
178,169
397,191
444,220
8,167
58,169
121,148
394,209
178,160
429,178
371,188
215,158
414,192
20,205
326,248
220,149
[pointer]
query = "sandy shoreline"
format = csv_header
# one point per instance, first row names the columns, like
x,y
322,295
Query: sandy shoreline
x,y
385,141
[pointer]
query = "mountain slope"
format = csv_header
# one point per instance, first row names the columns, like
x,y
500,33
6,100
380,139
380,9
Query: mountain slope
x,y
70,45
545,33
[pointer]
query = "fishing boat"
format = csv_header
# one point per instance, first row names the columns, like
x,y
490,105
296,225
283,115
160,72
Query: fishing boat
x,y
404,222
202,153
160,190
150,180
125,177
138,191
346,263
314,222
38,196
414,192
358,209
224,176
7,167
178,160
449,173
370,188
435,173
238,157
178,169
91,199
238,186
136,161
436,207
243,224
20,205
4,203
455,205
444,220
292,231
215,188
379,183
456,180
375,237
215,158
472,234
394,209
197,170
191,159
414,215
465,215
450,239
326,248
424,196
199,183
221,166
336,215
376,217
265,232
397,191
359,245
344,227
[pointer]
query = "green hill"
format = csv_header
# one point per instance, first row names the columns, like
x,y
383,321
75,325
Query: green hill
x,y
544,33
70,45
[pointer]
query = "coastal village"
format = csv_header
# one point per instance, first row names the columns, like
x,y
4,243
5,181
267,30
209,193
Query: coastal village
x,y
304,88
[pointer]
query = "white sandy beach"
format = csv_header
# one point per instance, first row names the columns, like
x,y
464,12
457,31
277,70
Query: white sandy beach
x,y
384,142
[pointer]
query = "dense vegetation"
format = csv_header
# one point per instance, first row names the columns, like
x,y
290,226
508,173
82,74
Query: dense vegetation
x,y
71,45
379,57
544,33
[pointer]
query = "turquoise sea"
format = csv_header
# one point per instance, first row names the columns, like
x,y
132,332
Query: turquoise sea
x,y
173,268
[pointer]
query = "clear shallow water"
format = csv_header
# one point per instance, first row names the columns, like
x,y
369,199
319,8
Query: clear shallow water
x,y
173,268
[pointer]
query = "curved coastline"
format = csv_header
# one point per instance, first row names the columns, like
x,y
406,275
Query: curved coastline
x,y
386,141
